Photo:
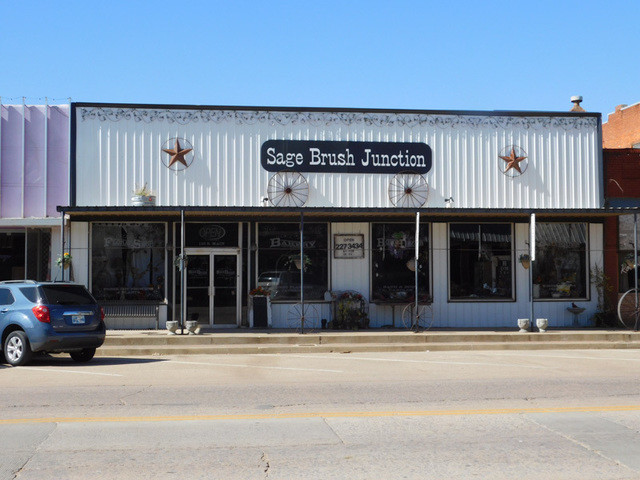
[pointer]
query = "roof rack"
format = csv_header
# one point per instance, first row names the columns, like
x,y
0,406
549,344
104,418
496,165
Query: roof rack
x,y
18,281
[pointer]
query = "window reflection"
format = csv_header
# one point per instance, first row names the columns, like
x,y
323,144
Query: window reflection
x,y
393,274
480,261
279,260
560,267
128,261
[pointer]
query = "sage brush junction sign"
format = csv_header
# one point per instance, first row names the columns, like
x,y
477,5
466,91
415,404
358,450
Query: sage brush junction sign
x,y
345,157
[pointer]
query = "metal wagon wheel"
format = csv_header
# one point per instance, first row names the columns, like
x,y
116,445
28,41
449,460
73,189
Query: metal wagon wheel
x,y
408,190
422,319
307,323
288,189
629,309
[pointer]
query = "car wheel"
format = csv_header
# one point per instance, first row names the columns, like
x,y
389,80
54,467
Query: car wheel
x,y
83,355
17,349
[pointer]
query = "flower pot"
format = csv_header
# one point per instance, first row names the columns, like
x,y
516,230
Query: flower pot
x,y
192,327
172,326
524,324
143,200
542,324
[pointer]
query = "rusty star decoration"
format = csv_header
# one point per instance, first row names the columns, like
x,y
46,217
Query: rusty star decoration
x,y
513,161
177,154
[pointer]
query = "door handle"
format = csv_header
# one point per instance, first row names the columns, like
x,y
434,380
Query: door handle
x,y
4,310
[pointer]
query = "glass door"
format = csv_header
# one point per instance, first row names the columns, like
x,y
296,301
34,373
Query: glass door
x,y
198,280
212,288
225,289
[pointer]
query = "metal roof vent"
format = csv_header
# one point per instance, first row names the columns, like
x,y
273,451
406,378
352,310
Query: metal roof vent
x,y
576,99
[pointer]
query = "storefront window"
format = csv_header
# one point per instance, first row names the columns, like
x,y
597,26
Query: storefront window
x,y
560,267
392,258
626,266
480,261
128,261
279,260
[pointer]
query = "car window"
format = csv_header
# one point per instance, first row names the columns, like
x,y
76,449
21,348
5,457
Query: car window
x,y
66,295
6,297
31,293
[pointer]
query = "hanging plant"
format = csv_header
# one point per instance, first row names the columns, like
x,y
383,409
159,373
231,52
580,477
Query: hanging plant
x,y
64,261
295,260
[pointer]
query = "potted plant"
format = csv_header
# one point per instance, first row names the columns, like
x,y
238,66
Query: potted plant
x,y
64,261
259,308
143,196
295,260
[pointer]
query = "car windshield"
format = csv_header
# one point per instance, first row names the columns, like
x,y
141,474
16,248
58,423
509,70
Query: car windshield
x,y
66,295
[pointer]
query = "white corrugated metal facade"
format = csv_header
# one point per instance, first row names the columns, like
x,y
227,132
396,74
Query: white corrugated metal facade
x,y
121,148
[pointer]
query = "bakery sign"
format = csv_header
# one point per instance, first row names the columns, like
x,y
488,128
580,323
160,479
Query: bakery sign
x,y
345,157
348,246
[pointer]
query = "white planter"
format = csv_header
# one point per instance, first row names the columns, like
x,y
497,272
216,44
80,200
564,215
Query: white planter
x,y
193,327
143,200
524,324
542,324
172,326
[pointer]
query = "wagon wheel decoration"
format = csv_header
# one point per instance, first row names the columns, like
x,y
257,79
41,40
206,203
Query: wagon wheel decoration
x,y
288,189
408,190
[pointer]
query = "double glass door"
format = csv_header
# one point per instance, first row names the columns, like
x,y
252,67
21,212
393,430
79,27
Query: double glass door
x,y
212,288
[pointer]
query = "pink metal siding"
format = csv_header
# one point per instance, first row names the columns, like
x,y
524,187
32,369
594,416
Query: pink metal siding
x,y
33,169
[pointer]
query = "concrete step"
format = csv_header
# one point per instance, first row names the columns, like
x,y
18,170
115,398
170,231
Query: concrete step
x,y
149,350
156,339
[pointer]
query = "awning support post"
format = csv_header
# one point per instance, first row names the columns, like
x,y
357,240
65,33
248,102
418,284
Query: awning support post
x,y
417,252
62,245
635,262
183,306
302,266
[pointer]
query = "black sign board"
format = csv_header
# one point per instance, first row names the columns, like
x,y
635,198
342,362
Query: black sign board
x,y
211,234
345,157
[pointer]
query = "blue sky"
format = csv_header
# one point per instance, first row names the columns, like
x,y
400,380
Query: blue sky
x,y
445,55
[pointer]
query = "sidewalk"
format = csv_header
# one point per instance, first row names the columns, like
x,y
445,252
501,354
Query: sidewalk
x,y
246,341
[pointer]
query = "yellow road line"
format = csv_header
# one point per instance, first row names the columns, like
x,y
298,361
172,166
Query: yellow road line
x,y
417,413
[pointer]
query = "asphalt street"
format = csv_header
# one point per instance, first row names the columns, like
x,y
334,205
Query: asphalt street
x,y
522,414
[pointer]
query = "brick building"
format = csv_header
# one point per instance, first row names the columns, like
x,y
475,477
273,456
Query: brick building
x,y
622,190
622,129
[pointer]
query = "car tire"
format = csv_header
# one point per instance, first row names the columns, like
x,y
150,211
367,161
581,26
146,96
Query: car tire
x,y
83,355
17,350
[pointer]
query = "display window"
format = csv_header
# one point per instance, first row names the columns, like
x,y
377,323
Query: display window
x,y
128,261
279,261
393,251
560,267
481,261
626,259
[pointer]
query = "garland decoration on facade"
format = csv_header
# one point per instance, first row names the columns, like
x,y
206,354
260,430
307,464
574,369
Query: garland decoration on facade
x,y
273,117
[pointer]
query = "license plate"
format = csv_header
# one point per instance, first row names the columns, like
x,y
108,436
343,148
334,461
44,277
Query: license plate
x,y
77,319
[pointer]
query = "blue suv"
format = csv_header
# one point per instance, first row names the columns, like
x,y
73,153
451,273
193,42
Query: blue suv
x,y
48,317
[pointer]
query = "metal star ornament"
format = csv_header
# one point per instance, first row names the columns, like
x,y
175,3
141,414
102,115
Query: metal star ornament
x,y
514,158
178,155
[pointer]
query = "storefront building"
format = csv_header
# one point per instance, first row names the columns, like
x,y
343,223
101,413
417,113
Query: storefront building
x,y
34,180
245,182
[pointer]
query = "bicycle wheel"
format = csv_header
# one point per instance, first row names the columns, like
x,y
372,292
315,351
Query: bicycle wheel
x,y
629,309
420,320
308,323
